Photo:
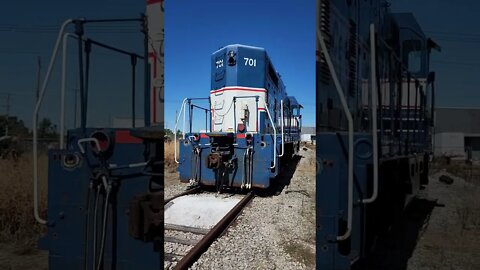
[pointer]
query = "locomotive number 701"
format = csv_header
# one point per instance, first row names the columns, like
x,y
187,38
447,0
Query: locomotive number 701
x,y
250,62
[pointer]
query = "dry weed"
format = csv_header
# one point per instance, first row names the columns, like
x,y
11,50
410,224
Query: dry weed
x,y
169,155
17,223
469,211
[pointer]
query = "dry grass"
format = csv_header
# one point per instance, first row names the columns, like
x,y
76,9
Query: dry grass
x,y
470,172
17,223
469,210
169,155
301,254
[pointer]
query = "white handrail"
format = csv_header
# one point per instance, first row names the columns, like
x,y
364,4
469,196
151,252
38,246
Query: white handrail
x,y
274,131
283,139
274,134
63,87
350,135
34,122
175,131
84,140
269,117
374,116
183,131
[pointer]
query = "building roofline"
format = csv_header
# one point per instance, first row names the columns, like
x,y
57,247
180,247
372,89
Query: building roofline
x,y
458,108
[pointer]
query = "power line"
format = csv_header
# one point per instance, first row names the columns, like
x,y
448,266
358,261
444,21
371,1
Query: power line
x,y
471,64
458,40
453,34
55,28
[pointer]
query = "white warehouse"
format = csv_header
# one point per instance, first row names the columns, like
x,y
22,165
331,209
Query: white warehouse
x,y
308,135
457,133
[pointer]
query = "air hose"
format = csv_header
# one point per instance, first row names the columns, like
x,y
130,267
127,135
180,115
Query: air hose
x,y
108,190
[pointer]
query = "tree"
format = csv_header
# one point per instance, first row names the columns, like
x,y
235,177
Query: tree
x,y
179,133
168,132
14,126
46,129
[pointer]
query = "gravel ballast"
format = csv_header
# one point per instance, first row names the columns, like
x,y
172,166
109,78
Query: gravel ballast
x,y
276,231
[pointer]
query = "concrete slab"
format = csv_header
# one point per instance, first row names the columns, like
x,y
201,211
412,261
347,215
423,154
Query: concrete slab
x,y
199,210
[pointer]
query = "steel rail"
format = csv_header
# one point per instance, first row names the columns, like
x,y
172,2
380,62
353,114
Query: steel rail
x,y
190,191
195,253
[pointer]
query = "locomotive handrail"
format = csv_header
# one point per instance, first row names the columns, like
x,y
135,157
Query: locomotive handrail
x,y
374,116
175,131
182,109
84,140
396,57
274,134
34,121
283,138
350,135
273,125
64,86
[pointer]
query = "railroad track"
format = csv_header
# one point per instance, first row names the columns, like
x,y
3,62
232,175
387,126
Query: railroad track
x,y
191,242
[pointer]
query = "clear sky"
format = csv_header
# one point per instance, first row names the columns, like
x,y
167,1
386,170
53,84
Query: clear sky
x,y
29,28
195,29
454,26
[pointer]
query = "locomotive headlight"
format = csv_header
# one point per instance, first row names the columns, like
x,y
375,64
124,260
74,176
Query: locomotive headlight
x,y
231,58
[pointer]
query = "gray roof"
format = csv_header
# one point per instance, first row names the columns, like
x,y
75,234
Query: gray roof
x,y
308,130
463,120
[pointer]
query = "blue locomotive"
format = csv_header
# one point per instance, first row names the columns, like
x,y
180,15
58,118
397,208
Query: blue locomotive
x,y
375,103
105,184
252,127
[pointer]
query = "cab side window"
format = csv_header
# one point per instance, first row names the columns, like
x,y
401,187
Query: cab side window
x,y
413,54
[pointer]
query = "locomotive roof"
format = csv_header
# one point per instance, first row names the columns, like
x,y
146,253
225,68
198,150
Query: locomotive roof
x,y
240,45
407,20
293,102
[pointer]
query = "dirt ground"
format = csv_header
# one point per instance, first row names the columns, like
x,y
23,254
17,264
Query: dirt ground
x,y
440,229
13,257
277,229
450,238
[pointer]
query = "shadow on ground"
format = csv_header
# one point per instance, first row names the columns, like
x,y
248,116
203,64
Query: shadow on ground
x,y
282,180
393,250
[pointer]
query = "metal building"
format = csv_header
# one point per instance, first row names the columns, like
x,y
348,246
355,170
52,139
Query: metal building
x,y
308,135
457,133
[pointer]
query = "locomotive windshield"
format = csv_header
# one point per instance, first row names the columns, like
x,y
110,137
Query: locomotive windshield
x,y
413,55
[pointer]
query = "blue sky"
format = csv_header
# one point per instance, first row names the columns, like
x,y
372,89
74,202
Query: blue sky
x,y
29,28
195,29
